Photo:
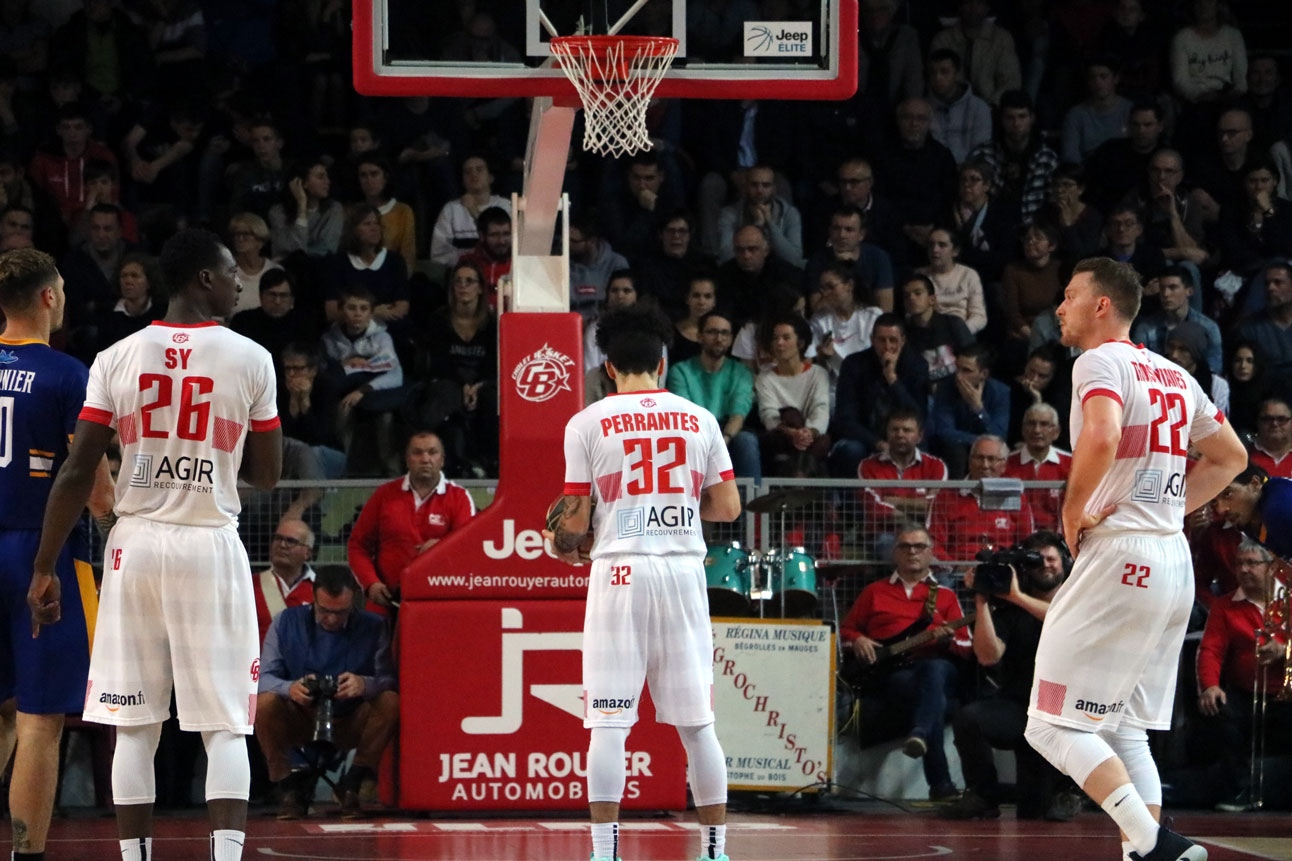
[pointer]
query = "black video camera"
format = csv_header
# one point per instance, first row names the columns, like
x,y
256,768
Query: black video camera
x,y
997,568
323,690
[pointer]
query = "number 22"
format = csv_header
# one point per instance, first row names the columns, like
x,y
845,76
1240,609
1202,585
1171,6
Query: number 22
x,y
1139,572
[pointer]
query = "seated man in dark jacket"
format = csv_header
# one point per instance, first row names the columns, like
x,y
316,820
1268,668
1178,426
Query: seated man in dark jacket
x,y
331,650
871,385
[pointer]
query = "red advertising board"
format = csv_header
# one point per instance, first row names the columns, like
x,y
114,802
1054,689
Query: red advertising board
x,y
492,707
500,554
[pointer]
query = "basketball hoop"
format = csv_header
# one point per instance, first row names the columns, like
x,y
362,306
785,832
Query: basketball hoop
x,y
615,77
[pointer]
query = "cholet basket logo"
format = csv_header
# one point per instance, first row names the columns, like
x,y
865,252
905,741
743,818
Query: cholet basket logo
x,y
542,374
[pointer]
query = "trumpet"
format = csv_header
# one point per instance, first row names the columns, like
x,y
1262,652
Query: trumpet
x,y
1276,628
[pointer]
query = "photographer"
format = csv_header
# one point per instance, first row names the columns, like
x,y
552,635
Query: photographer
x,y
1012,592
331,646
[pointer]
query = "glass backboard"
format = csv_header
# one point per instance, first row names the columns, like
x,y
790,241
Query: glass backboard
x,y
766,49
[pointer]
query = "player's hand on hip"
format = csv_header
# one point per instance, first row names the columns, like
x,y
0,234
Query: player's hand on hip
x,y
349,686
44,597
1074,527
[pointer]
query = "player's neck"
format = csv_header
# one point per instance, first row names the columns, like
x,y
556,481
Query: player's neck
x,y
26,329
1104,334
182,309
626,383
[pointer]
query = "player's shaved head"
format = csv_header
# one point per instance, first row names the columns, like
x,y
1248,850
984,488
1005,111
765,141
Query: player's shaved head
x,y
634,337
24,272
185,255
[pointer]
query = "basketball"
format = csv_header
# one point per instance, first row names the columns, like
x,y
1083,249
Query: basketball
x,y
554,513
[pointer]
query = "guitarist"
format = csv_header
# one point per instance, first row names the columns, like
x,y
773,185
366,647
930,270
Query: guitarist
x,y
1006,630
911,698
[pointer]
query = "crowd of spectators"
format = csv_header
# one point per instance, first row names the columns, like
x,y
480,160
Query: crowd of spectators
x,y
860,288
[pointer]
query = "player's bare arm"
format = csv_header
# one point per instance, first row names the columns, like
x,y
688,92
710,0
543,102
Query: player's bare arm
x,y
67,499
572,521
720,503
262,459
1223,457
1092,457
103,495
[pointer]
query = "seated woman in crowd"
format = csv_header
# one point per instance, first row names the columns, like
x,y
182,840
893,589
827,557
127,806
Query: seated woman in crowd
x,y
782,301
1031,286
249,241
455,228
460,398
139,284
701,298
959,289
793,402
1249,384
365,262
307,219
398,223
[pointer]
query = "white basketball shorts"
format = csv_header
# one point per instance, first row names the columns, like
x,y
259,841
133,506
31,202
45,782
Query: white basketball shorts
x,y
177,608
647,620
1110,647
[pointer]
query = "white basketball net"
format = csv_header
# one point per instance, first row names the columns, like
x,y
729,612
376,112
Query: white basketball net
x,y
615,77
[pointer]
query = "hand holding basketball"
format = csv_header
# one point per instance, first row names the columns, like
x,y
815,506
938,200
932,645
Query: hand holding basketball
x,y
555,513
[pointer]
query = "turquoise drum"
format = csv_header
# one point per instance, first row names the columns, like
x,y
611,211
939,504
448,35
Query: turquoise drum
x,y
793,585
726,571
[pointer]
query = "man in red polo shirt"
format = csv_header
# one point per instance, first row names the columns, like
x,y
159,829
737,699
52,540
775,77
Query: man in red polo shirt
x,y
961,526
1228,660
404,518
1039,460
899,457
1272,449
289,579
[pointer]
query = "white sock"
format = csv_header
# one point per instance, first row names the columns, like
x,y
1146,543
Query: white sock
x,y
137,849
605,841
713,841
1127,849
226,844
1130,813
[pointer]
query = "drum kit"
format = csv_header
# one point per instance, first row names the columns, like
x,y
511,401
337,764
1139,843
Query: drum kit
x,y
777,583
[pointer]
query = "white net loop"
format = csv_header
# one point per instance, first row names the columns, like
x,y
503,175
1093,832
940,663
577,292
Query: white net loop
x,y
615,77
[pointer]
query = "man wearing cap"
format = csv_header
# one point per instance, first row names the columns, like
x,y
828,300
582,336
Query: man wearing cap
x,y
1175,286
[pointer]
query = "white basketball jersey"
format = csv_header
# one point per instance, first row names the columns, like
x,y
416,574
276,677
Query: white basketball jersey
x,y
1163,409
182,399
645,457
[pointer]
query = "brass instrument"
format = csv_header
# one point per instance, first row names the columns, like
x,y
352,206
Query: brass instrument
x,y
1276,628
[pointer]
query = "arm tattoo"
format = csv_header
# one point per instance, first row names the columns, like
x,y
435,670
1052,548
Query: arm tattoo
x,y
566,540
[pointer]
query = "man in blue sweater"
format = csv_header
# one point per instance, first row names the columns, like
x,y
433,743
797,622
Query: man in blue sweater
x,y
331,639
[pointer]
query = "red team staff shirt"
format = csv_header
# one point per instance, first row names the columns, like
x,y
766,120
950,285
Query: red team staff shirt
x,y
1047,504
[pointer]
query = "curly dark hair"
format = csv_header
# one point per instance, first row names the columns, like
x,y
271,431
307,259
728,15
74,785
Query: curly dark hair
x,y
634,338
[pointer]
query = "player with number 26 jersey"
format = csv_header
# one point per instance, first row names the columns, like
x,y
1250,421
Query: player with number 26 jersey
x,y
182,398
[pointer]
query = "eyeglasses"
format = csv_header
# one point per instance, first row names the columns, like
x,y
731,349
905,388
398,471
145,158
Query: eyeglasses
x,y
912,547
288,541
1275,420
1230,133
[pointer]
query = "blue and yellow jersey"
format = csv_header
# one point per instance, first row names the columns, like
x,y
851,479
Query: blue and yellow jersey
x,y
41,392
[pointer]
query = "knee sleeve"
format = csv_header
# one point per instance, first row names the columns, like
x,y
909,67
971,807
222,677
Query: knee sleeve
x,y
606,774
1131,746
228,771
706,767
132,764
1071,751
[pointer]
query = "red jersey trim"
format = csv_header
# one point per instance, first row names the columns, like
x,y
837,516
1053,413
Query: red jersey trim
x,y
642,392
727,475
1107,393
577,489
1220,416
203,325
96,415
266,425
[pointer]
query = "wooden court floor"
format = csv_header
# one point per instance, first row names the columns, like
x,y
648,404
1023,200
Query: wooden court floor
x,y
861,832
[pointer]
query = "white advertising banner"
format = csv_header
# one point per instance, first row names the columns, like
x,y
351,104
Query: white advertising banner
x,y
773,695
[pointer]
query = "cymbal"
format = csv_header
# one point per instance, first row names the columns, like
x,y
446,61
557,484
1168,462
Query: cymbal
x,y
780,500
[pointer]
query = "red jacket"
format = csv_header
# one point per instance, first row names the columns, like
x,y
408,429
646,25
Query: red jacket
x,y
493,270
64,178
883,610
960,528
1047,505
1281,468
301,593
1215,559
1227,653
391,526
880,467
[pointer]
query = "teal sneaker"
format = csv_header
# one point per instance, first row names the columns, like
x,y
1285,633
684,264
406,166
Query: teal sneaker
x,y
719,858
595,858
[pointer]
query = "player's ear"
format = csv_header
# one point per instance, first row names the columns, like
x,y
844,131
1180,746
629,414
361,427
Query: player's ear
x,y
659,369
610,370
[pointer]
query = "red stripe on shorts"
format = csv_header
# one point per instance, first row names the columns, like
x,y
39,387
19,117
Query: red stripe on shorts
x,y
1050,697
